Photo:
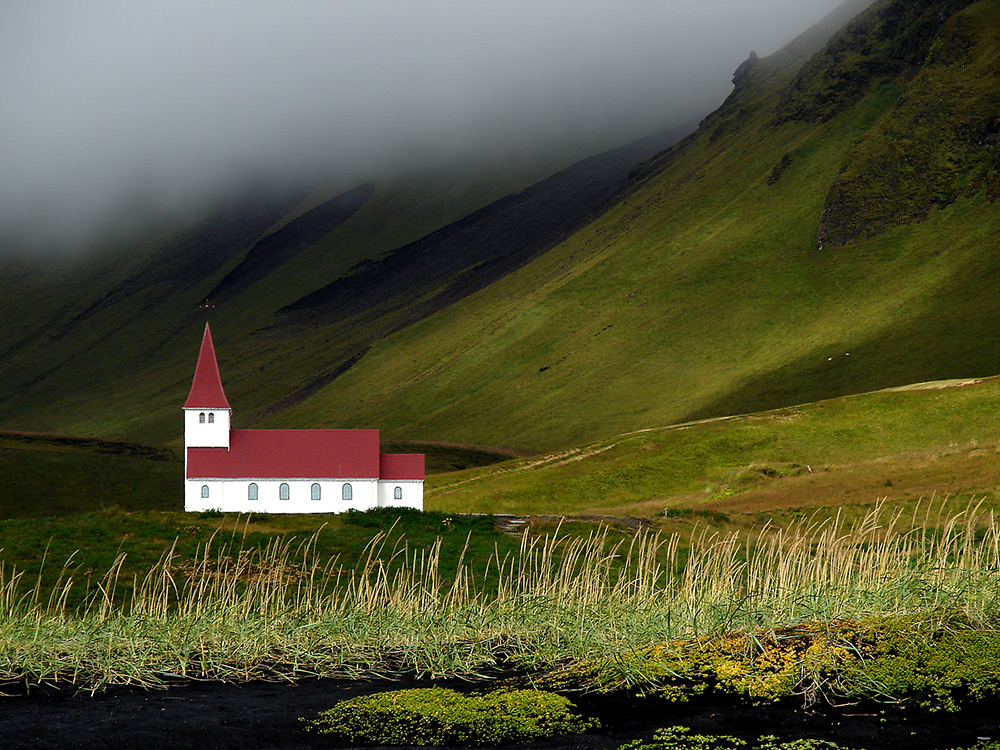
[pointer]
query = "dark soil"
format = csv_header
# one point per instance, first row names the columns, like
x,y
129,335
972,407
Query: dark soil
x,y
206,716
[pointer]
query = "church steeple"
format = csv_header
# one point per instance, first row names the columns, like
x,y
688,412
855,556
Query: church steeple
x,y
207,414
206,388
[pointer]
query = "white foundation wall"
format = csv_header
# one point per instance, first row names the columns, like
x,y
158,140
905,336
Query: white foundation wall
x,y
206,435
232,495
412,491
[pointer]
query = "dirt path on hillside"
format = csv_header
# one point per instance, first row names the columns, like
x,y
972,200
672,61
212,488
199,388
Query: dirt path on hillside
x,y
214,716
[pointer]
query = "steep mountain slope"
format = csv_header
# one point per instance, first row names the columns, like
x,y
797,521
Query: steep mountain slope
x,y
830,229
102,346
83,334
705,293
285,243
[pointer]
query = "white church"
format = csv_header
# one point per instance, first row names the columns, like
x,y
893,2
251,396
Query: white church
x,y
284,471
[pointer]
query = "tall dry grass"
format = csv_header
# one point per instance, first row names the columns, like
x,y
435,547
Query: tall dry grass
x,y
282,612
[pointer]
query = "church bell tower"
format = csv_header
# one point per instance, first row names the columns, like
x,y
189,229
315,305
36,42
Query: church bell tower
x,y
206,412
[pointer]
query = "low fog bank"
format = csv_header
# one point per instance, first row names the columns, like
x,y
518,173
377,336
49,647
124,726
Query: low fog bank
x,y
118,112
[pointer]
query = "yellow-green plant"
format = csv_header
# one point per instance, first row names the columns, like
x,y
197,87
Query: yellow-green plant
x,y
437,716
682,738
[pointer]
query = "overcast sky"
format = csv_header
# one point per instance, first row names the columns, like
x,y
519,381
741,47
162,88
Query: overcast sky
x,y
178,100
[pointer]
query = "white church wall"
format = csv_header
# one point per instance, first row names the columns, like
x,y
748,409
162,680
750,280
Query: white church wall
x,y
206,434
193,500
412,491
233,495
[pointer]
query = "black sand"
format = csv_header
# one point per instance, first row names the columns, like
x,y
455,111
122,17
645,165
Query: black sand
x,y
205,716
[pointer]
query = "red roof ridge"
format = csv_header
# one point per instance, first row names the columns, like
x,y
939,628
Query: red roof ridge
x,y
289,454
206,388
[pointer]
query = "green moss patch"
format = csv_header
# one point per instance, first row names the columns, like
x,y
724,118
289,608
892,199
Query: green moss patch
x,y
682,738
936,666
948,668
437,716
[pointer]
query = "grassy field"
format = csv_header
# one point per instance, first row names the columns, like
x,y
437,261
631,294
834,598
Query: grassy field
x,y
797,594
57,475
92,542
755,524
937,439
609,605
51,475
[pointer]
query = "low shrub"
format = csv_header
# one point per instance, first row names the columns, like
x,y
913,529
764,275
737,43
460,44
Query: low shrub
x,y
437,716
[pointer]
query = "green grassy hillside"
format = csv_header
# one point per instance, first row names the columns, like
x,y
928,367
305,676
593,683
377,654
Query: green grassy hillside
x,y
762,262
901,445
704,293
938,439
53,475
103,344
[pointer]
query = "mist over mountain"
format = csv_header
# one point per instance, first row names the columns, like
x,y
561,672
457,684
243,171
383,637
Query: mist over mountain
x,y
118,113
829,229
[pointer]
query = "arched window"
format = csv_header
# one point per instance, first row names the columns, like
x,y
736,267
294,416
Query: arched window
x,y
397,493
315,492
201,418
252,491
204,490
348,493
283,491
211,418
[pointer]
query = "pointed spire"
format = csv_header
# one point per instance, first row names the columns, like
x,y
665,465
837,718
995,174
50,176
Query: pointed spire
x,y
206,389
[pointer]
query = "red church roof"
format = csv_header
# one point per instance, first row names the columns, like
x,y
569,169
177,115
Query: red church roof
x,y
289,454
206,388
401,466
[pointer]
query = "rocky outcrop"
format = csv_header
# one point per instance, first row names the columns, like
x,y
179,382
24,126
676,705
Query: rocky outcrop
x,y
889,41
940,142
